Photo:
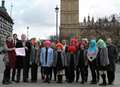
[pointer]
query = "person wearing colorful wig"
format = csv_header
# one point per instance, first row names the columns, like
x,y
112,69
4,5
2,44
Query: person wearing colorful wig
x,y
102,60
92,54
65,49
71,61
59,61
46,60
81,61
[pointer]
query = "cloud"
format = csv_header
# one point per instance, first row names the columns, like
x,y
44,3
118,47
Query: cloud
x,y
98,8
40,14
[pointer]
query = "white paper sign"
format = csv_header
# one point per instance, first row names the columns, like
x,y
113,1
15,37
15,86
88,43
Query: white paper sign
x,y
20,51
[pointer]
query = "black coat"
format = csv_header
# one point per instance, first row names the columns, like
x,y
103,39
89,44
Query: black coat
x,y
112,55
82,58
23,61
28,45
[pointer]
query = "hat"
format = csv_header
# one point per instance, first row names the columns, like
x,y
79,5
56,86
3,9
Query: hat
x,y
59,45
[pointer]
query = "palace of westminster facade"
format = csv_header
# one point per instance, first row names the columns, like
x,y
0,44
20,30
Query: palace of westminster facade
x,y
69,23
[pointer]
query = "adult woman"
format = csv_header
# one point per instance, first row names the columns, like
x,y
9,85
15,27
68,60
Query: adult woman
x,y
102,60
92,54
71,62
34,61
59,61
10,60
46,60
81,62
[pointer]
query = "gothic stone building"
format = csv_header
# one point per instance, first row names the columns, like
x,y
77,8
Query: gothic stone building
x,y
69,23
6,23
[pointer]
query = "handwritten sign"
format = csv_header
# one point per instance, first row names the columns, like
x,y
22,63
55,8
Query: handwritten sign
x,y
20,51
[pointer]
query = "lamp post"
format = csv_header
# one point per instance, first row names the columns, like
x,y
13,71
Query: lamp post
x,y
27,32
57,11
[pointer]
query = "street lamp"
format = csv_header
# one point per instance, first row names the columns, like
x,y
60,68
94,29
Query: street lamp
x,y
27,32
57,11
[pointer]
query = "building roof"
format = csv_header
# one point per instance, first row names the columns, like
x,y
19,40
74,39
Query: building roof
x,y
4,14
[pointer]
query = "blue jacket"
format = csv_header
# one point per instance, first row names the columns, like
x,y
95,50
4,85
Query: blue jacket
x,y
49,57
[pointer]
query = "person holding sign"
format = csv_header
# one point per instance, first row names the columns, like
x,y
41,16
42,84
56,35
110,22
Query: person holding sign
x,y
23,50
20,51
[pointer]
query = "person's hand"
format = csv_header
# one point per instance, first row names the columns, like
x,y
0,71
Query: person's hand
x,y
36,62
13,48
26,48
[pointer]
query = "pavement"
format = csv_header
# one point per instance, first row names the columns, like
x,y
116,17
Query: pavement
x,y
54,84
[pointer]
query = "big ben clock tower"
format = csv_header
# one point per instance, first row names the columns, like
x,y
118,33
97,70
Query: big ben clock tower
x,y
69,17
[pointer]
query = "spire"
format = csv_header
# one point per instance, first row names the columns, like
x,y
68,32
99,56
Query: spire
x,y
106,20
93,20
3,3
113,19
88,19
84,20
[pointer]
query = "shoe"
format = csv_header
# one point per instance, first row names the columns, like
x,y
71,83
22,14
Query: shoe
x,y
9,82
48,81
82,82
103,84
13,80
70,81
93,82
25,81
45,81
33,81
17,81
110,83
85,80
76,81
54,79
6,82
43,77
59,81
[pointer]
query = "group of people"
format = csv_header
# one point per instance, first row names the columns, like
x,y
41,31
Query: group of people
x,y
60,58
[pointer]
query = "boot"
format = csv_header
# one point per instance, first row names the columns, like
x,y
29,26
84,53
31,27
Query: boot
x,y
104,80
59,79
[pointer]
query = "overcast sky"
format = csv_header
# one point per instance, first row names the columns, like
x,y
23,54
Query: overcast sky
x,y
39,15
